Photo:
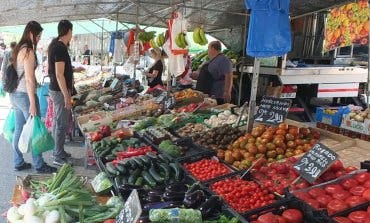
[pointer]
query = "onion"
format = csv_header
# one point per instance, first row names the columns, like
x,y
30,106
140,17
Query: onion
x,y
13,215
52,217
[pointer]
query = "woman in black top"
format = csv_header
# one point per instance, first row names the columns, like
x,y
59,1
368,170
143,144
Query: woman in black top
x,y
155,72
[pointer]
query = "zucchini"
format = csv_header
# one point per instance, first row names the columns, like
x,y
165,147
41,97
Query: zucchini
x,y
148,178
151,156
121,168
145,160
138,161
105,152
163,158
165,169
155,175
176,168
118,181
125,163
139,181
111,169
133,177
132,164
110,158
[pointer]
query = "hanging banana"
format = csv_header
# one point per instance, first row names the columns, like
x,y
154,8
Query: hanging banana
x,y
203,37
153,44
196,36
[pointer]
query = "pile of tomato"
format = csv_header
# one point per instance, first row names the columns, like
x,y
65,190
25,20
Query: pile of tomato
x,y
355,217
207,169
243,195
280,175
339,196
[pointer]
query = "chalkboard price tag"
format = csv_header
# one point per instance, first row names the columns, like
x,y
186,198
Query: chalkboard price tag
x,y
131,212
273,111
315,162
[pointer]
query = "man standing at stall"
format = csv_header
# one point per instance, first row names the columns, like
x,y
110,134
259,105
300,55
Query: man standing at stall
x,y
60,88
86,55
215,76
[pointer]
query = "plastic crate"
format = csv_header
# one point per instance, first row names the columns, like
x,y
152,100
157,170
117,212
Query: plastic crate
x,y
335,119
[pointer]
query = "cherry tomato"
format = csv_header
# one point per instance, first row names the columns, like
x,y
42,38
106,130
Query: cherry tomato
x,y
337,165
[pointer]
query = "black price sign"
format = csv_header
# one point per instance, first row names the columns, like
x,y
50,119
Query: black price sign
x,y
131,212
315,162
273,110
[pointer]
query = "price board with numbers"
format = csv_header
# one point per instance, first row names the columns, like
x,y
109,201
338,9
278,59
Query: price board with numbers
x,y
131,212
315,162
273,111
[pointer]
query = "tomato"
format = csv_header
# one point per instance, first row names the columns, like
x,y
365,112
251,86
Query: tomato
x,y
335,206
302,195
341,194
342,220
358,216
366,194
281,219
359,190
110,221
316,192
324,200
362,177
353,201
333,188
293,216
337,165
349,183
368,209
268,218
340,173
367,184
313,203
350,169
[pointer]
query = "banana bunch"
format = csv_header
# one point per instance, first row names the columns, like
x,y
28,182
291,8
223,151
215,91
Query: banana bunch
x,y
153,44
160,40
199,36
181,41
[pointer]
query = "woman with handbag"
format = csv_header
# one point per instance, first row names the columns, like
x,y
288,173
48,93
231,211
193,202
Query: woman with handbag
x,y
23,98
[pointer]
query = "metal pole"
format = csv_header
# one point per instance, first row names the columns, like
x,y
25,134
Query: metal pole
x,y
252,101
314,28
102,46
114,62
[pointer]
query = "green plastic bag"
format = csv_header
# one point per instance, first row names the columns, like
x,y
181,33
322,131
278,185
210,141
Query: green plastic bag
x,y
42,140
2,92
9,126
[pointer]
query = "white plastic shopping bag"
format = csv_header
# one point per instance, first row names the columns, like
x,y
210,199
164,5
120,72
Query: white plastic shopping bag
x,y
25,139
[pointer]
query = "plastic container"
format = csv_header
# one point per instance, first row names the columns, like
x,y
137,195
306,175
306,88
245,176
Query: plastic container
x,y
331,119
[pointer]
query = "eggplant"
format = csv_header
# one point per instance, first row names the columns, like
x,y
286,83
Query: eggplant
x,y
152,199
161,205
176,187
194,199
173,196
210,207
155,193
144,219
125,189
193,188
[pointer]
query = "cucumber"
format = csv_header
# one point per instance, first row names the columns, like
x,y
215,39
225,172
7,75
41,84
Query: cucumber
x,y
132,163
139,181
148,178
155,175
111,169
125,163
163,158
124,179
105,152
133,177
118,181
110,157
151,156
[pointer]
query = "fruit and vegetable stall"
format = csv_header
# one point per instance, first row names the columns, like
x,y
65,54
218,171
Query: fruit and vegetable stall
x,y
193,161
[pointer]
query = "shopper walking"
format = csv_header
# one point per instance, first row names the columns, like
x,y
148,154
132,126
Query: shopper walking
x,y
24,99
61,84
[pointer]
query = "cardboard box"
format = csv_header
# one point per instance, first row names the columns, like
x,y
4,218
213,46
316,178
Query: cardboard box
x,y
360,127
